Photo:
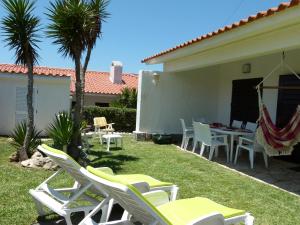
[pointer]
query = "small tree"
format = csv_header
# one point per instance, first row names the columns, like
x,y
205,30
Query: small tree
x,y
127,99
21,35
75,26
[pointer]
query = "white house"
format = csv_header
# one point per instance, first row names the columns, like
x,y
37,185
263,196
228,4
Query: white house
x,y
54,92
51,95
213,76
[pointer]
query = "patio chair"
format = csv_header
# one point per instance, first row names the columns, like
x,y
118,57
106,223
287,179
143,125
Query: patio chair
x,y
251,126
154,207
102,127
237,124
187,134
252,147
203,135
56,199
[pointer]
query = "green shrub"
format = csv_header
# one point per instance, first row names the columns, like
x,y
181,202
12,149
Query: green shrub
x,y
127,99
123,118
18,137
61,130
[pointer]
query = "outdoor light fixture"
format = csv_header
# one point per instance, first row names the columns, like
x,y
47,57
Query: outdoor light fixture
x,y
155,79
246,68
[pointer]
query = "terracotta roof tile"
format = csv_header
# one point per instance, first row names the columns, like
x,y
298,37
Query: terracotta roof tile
x,y
95,82
242,22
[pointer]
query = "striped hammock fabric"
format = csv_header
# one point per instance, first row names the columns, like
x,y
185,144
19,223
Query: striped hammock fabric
x,y
277,141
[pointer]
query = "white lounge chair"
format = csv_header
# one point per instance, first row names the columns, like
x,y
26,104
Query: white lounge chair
x,y
55,200
187,134
154,208
203,135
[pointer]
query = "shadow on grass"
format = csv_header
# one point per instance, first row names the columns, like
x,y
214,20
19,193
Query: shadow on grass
x,y
108,159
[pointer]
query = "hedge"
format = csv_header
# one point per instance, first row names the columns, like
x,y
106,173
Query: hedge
x,y
123,118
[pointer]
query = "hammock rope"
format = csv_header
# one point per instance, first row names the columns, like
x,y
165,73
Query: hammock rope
x,y
277,141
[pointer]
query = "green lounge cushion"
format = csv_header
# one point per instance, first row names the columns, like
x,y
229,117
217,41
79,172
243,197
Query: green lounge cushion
x,y
186,210
179,212
135,178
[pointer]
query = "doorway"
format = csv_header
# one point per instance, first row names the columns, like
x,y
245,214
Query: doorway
x,y
288,100
244,100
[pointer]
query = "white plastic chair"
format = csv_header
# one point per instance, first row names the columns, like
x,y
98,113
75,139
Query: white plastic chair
x,y
237,123
203,135
251,126
187,134
252,147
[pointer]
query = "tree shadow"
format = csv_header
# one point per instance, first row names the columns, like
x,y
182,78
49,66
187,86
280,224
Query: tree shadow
x,y
108,159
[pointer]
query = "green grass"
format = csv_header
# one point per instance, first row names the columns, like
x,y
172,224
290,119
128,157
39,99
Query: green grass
x,y
194,176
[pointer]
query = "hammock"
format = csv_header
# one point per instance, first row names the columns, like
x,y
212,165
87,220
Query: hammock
x,y
277,141
274,140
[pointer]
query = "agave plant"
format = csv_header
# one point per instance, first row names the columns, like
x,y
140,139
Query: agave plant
x,y
61,130
18,137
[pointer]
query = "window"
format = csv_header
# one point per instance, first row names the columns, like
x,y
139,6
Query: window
x,y
101,104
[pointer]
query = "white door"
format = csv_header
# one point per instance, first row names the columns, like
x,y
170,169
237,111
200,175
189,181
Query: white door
x,y
21,103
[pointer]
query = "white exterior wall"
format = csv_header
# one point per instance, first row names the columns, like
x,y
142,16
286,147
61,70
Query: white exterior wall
x,y
53,96
90,100
203,93
177,95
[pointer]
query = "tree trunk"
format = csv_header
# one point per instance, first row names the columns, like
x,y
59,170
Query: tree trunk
x,y
83,71
23,152
76,140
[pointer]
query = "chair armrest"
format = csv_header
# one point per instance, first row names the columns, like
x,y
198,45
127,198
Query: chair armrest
x,y
106,170
142,186
245,140
157,198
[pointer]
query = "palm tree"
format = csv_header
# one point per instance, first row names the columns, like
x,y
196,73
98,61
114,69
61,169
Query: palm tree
x,y
75,26
21,35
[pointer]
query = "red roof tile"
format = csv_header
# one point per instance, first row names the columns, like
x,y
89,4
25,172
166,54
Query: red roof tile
x,y
242,22
95,82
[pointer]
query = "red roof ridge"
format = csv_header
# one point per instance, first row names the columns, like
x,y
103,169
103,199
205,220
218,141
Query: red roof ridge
x,y
95,82
249,19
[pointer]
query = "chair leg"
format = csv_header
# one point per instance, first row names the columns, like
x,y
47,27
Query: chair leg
x,y
211,152
217,151
182,142
194,145
266,159
39,208
186,143
68,219
202,149
251,158
227,153
237,153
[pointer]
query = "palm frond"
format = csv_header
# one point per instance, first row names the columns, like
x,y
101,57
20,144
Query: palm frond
x,y
21,30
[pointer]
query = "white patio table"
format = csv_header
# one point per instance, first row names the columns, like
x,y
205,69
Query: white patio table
x,y
231,132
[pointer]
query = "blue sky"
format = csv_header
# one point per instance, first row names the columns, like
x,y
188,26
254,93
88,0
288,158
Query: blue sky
x,y
141,28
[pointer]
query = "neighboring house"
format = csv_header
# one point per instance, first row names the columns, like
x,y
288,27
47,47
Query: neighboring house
x,y
54,92
101,88
51,95
213,76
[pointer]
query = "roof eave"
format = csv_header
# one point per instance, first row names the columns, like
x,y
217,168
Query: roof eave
x,y
285,18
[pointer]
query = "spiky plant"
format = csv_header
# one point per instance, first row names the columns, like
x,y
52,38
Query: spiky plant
x,y
21,28
18,137
61,130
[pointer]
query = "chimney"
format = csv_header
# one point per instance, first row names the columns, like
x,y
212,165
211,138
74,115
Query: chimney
x,y
116,70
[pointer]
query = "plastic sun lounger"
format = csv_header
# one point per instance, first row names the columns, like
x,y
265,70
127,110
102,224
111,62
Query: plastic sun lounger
x,y
154,208
57,200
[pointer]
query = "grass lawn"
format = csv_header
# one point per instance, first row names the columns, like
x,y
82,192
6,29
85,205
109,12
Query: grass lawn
x,y
194,176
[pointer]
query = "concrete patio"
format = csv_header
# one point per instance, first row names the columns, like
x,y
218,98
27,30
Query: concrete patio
x,y
280,174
